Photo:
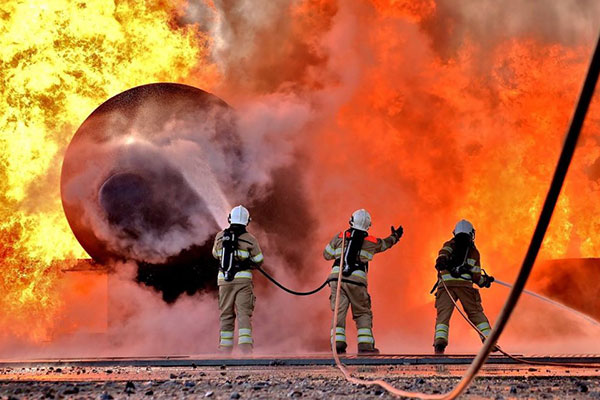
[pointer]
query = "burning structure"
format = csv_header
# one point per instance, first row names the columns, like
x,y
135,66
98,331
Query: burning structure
x,y
138,183
149,177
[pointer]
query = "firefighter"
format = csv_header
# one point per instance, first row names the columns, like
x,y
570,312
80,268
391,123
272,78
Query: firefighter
x,y
459,266
238,252
359,248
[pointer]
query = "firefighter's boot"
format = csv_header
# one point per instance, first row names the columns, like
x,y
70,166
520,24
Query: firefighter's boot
x,y
439,348
340,347
367,348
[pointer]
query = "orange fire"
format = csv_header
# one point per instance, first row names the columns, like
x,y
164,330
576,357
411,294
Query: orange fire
x,y
433,138
419,127
59,60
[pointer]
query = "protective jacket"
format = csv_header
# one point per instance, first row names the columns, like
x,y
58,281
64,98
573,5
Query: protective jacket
x,y
247,255
370,246
451,256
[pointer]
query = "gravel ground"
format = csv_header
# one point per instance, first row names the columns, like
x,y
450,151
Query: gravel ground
x,y
496,382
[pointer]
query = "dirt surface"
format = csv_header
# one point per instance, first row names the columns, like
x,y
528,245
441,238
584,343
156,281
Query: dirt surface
x,y
496,382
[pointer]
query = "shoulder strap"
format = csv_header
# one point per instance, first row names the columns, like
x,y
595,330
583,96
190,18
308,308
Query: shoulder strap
x,y
230,238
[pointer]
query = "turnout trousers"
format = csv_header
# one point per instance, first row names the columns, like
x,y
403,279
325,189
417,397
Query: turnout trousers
x,y
471,302
358,298
236,299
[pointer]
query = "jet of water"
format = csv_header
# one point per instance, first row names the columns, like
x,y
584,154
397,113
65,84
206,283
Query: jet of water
x,y
554,303
193,164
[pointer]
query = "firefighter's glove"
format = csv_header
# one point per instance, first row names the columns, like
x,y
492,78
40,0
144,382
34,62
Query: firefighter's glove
x,y
441,265
397,232
488,281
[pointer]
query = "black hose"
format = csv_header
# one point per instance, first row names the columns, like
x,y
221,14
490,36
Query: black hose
x,y
279,285
585,98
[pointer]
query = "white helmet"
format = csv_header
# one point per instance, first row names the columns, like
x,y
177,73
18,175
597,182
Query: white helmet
x,y
361,220
239,215
464,226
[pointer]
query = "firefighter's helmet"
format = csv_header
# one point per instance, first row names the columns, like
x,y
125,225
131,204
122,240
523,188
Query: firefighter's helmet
x,y
464,226
239,215
360,220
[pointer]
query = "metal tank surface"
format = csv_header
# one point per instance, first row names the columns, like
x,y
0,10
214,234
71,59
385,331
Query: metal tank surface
x,y
146,178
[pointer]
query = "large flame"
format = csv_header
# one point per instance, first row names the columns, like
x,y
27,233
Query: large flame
x,y
418,118
433,138
59,60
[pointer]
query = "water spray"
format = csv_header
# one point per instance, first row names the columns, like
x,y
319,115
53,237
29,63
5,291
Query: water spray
x,y
554,303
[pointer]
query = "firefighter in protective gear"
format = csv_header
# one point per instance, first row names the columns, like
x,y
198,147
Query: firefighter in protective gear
x,y
238,252
459,266
359,248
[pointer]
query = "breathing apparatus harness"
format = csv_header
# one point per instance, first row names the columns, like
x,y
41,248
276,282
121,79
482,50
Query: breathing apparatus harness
x,y
352,261
230,265
457,269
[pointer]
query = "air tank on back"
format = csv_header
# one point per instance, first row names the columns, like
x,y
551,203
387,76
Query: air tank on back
x,y
148,177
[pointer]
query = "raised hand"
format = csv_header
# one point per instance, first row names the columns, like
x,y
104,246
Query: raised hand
x,y
398,232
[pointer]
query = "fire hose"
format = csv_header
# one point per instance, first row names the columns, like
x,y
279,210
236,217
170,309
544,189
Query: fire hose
x,y
556,185
295,293
498,281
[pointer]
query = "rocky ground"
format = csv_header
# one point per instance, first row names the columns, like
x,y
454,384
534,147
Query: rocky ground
x,y
496,382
